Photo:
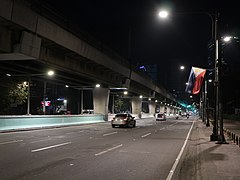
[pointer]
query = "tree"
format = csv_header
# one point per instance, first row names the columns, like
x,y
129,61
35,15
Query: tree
x,y
13,94
18,93
122,105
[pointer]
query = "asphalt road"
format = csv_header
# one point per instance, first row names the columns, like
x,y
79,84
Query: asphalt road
x,y
95,151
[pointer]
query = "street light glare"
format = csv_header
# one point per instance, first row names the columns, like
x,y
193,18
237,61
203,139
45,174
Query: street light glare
x,y
98,85
182,67
227,38
50,73
163,14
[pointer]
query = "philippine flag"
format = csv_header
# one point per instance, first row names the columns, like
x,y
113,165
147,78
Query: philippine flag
x,y
195,80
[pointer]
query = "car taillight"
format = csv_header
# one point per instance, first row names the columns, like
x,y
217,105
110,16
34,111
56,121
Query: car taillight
x,y
125,119
114,118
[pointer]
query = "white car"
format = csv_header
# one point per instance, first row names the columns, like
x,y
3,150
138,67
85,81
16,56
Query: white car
x,y
161,117
123,119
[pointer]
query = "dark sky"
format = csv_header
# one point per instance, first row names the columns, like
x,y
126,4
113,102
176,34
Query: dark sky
x,y
180,40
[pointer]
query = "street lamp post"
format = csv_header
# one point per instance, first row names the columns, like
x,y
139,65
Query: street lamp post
x,y
44,97
206,103
217,68
28,96
217,83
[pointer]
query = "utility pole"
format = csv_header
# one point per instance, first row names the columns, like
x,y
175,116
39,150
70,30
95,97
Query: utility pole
x,y
217,83
214,135
44,97
28,95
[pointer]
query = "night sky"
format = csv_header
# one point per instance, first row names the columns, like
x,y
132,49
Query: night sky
x,y
182,39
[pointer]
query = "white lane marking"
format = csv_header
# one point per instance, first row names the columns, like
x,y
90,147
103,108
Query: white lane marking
x,y
70,133
41,140
169,177
75,132
110,133
146,135
110,149
10,142
49,147
139,152
168,126
173,124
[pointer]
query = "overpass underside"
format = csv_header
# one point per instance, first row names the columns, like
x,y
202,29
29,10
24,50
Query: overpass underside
x,y
33,42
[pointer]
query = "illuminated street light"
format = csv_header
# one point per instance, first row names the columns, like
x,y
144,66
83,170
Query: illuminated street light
x,y
227,38
50,73
182,67
163,14
98,85
125,92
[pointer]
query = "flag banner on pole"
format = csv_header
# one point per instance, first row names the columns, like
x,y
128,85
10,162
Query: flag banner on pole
x,y
195,80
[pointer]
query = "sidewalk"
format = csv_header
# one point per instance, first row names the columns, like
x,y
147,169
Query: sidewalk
x,y
205,160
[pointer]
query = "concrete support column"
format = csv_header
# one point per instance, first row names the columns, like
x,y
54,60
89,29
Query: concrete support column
x,y
162,109
177,110
168,110
137,106
171,110
100,101
152,107
174,111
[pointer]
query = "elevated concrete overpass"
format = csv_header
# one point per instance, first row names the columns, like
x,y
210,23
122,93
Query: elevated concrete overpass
x,y
33,38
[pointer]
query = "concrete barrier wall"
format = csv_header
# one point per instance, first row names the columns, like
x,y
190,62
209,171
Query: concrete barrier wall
x,y
24,122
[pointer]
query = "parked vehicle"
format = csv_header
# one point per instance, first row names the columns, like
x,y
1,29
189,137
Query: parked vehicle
x,y
88,111
123,119
161,117
61,107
